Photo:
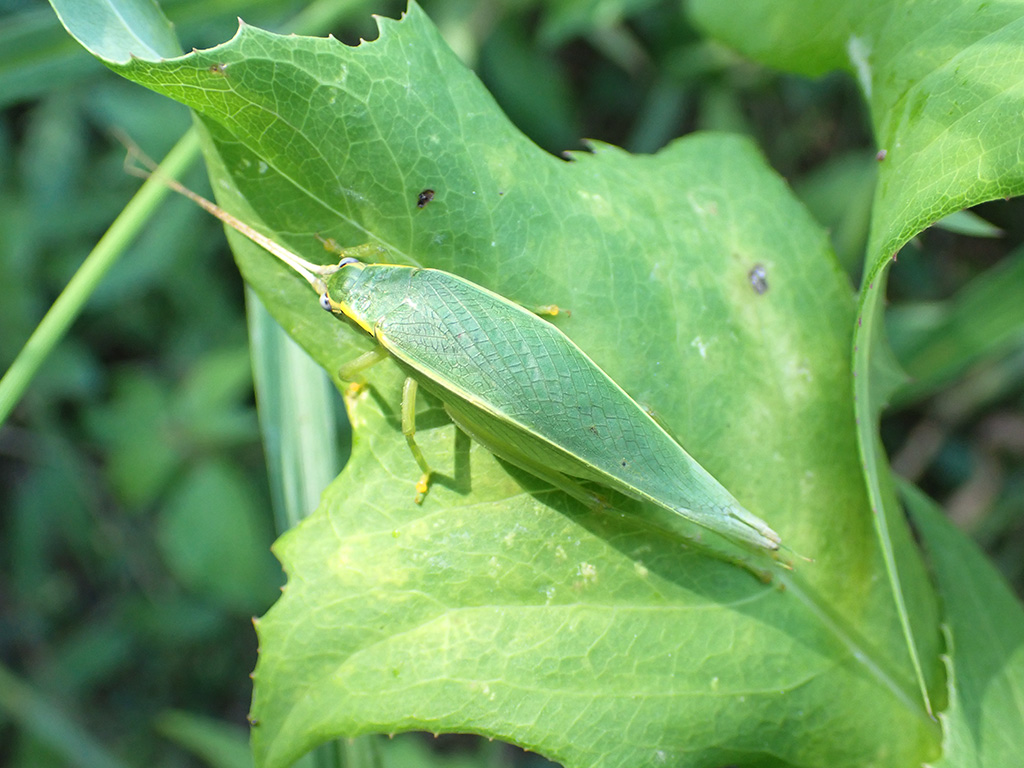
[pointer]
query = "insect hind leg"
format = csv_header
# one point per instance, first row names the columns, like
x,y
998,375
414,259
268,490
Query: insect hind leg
x,y
409,430
523,462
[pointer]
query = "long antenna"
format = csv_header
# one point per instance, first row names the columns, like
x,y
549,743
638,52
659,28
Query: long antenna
x,y
313,273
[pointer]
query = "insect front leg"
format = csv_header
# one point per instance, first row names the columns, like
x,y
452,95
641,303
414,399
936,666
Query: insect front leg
x,y
352,371
548,310
409,430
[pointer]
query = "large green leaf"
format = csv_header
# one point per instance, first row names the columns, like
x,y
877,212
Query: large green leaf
x,y
942,79
500,606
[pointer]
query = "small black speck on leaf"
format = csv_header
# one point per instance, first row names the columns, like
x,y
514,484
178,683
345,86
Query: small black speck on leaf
x,y
424,197
759,279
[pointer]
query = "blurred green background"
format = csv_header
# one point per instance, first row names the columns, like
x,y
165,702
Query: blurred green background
x,y
135,506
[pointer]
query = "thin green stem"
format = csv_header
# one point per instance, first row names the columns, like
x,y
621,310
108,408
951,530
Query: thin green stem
x,y
100,260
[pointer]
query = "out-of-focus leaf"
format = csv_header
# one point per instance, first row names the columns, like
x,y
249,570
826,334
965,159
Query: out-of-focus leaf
x,y
839,194
984,319
213,402
985,654
968,223
214,538
530,87
565,18
218,744
145,450
39,716
34,53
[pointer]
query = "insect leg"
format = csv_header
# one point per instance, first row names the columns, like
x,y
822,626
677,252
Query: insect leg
x,y
478,432
409,430
367,252
352,370
550,310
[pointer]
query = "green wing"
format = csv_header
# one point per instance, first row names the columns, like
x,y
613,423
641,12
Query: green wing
x,y
528,391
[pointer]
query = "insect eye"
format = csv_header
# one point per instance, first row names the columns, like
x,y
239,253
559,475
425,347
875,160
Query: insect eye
x,y
325,301
348,260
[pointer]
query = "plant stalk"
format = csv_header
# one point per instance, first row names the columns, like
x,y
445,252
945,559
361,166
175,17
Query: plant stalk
x,y
97,264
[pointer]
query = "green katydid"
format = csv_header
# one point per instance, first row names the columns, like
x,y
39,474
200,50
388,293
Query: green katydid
x,y
515,383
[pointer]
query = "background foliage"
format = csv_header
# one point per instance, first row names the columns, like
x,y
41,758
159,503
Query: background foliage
x,y
138,427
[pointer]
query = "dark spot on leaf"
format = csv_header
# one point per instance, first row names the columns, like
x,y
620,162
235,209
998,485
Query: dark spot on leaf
x,y
219,69
424,197
759,279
